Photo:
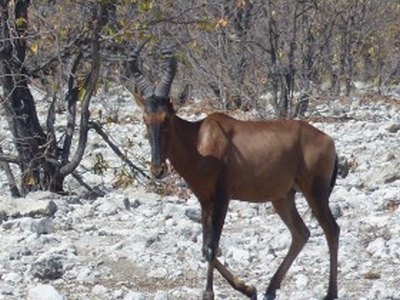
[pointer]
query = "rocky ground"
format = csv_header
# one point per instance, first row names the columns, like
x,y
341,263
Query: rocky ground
x,y
134,244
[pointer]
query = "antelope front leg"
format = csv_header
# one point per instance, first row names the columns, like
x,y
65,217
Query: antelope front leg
x,y
206,221
218,214
208,294
213,211
213,218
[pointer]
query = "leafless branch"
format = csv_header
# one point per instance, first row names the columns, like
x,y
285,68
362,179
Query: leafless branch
x,y
79,178
135,170
72,98
67,52
99,19
4,164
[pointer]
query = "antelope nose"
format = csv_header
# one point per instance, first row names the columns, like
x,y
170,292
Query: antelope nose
x,y
159,171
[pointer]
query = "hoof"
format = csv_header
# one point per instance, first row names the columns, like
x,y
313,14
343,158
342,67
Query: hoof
x,y
254,297
253,293
208,295
269,297
330,297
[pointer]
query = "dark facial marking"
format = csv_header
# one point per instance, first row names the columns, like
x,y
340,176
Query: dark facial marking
x,y
156,125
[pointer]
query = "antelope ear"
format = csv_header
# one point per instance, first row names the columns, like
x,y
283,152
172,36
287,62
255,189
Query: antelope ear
x,y
186,93
139,99
183,96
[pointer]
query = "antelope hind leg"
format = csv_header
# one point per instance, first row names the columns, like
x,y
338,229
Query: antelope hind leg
x,y
236,283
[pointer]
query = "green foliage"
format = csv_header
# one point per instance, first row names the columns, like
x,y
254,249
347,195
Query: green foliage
x,y
145,5
100,165
123,179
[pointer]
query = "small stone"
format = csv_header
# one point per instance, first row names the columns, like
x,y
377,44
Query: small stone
x,y
378,248
394,128
6,289
3,216
117,294
159,273
86,276
301,281
193,214
99,290
12,277
134,296
343,167
43,226
136,203
48,267
161,295
44,292
28,207
127,203
10,224
150,241
336,211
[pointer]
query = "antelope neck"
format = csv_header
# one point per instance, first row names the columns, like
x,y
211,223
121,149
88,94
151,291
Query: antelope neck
x,y
182,145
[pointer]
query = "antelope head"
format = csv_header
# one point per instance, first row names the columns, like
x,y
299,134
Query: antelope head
x,y
157,107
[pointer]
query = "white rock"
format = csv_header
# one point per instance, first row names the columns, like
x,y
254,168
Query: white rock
x,y
301,281
161,295
44,292
378,248
86,275
238,254
12,277
117,294
99,290
158,272
134,296
28,207
43,226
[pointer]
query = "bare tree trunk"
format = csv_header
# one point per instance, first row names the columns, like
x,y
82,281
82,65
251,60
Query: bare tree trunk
x,y
29,138
282,74
241,21
347,45
10,177
273,44
42,164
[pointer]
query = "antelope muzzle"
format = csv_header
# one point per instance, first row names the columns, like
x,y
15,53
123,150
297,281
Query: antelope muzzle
x,y
158,165
158,171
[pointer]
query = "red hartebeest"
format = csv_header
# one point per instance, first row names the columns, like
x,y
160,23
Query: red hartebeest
x,y
257,161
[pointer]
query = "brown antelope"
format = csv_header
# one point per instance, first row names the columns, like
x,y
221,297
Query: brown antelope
x,y
257,161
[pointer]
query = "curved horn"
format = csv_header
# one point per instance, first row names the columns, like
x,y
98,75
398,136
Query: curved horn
x,y
168,72
143,84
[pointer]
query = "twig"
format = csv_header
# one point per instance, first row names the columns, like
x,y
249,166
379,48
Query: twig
x,y
136,170
71,99
8,158
99,20
79,178
10,176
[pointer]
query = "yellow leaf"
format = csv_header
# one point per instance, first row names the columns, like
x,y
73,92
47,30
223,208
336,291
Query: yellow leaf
x,y
30,180
146,5
21,21
82,93
221,23
371,51
241,3
34,48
